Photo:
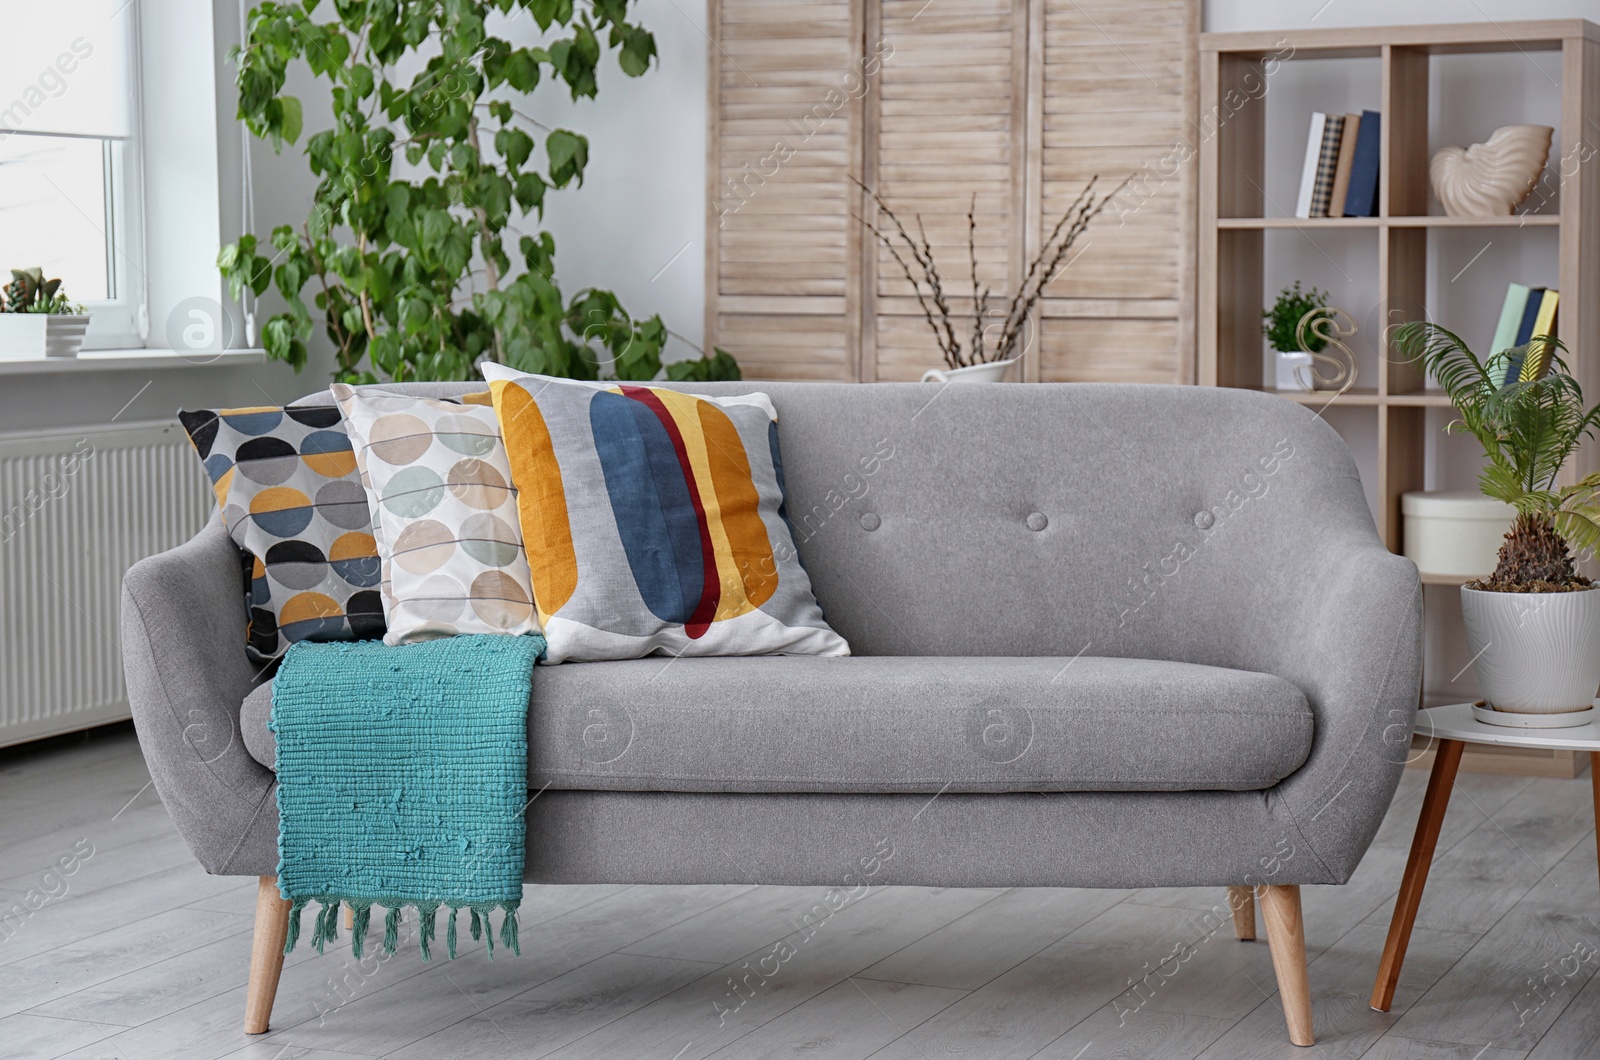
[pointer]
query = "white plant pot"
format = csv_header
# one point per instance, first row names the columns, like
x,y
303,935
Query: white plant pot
x,y
1291,371
29,336
1535,653
974,373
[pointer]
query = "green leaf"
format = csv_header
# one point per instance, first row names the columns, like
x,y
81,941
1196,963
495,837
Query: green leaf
x,y
514,146
638,48
522,73
292,118
277,337
568,153
436,226
360,80
530,192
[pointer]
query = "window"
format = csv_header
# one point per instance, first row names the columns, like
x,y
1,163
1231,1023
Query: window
x,y
70,198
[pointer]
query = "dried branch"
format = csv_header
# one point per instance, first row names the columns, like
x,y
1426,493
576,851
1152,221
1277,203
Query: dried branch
x,y
979,301
1083,211
888,244
1041,272
936,284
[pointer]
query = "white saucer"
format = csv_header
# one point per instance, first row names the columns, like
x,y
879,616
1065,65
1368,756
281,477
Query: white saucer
x,y
1564,720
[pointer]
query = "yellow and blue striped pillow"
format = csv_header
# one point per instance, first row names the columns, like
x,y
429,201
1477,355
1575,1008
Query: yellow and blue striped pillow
x,y
654,521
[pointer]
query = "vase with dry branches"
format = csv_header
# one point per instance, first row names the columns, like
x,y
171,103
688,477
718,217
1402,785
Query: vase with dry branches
x,y
928,283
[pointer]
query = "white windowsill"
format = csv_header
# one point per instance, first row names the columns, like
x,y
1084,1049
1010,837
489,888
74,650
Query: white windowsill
x,y
103,360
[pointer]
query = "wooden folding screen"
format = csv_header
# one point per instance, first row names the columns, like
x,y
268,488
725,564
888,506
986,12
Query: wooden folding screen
x,y
1006,104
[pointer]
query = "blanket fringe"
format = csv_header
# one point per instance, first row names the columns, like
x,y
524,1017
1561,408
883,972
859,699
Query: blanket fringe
x,y
325,924
391,930
327,927
508,928
361,921
428,913
294,927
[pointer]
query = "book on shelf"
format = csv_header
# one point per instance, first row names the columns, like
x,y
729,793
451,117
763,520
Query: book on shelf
x,y
1361,199
1341,169
1505,333
1527,312
1308,170
1538,360
1327,164
1530,315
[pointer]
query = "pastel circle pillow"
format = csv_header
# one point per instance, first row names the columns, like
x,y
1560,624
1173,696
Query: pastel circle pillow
x,y
286,482
444,515
654,521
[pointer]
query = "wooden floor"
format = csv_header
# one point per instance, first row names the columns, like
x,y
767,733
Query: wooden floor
x,y
145,956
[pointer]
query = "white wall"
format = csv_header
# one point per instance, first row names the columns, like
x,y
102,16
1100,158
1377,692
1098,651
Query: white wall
x,y
637,226
1226,16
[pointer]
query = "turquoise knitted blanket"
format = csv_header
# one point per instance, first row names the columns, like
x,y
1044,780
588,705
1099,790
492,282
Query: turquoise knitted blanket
x,y
402,779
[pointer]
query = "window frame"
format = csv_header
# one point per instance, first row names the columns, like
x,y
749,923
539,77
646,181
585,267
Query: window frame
x,y
122,320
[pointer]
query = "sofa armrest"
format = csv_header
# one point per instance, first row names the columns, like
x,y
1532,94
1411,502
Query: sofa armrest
x,y
183,628
1351,638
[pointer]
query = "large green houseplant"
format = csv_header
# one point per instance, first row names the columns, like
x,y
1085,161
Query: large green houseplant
x,y
1533,625
423,182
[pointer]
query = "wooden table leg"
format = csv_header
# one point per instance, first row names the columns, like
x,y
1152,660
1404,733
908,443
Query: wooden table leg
x,y
1445,762
1594,781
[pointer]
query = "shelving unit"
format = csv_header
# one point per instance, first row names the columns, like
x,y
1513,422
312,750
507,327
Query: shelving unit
x,y
1234,221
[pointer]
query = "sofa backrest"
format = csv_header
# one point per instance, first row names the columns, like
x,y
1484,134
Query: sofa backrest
x,y
1055,519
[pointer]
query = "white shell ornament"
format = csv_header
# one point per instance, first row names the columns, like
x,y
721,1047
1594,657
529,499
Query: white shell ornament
x,y
1491,178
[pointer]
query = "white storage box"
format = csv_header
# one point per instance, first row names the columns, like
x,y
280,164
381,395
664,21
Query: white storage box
x,y
1454,533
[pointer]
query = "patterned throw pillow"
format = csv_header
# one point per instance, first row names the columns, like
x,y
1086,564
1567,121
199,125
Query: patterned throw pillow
x,y
286,482
444,514
654,522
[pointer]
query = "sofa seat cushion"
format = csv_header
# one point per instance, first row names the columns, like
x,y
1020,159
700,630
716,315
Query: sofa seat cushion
x,y
900,724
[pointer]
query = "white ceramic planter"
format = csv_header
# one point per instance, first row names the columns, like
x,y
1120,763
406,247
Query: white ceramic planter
x,y
1291,371
992,372
1535,653
29,336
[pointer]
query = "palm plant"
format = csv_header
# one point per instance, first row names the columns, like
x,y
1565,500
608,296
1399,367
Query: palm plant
x,y
1529,427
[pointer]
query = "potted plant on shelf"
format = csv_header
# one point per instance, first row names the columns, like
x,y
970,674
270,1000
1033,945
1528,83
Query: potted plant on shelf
x,y
996,335
1533,626
37,319
1281,325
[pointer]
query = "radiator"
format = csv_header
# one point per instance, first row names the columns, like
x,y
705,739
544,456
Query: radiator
x,y
77,508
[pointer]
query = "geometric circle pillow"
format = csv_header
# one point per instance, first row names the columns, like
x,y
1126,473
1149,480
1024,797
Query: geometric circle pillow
x,y
444,515
655,521
286,482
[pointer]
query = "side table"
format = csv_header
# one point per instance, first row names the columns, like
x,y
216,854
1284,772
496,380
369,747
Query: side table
x,y
1455,727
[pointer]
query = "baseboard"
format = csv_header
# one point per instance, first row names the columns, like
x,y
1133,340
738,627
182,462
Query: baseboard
x,y
1508,761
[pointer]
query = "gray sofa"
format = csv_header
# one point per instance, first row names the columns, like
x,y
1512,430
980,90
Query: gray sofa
x,y
1103,636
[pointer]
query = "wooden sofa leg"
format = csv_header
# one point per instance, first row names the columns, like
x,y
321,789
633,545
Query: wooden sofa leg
x,y
1280,907
1242,900
266,955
